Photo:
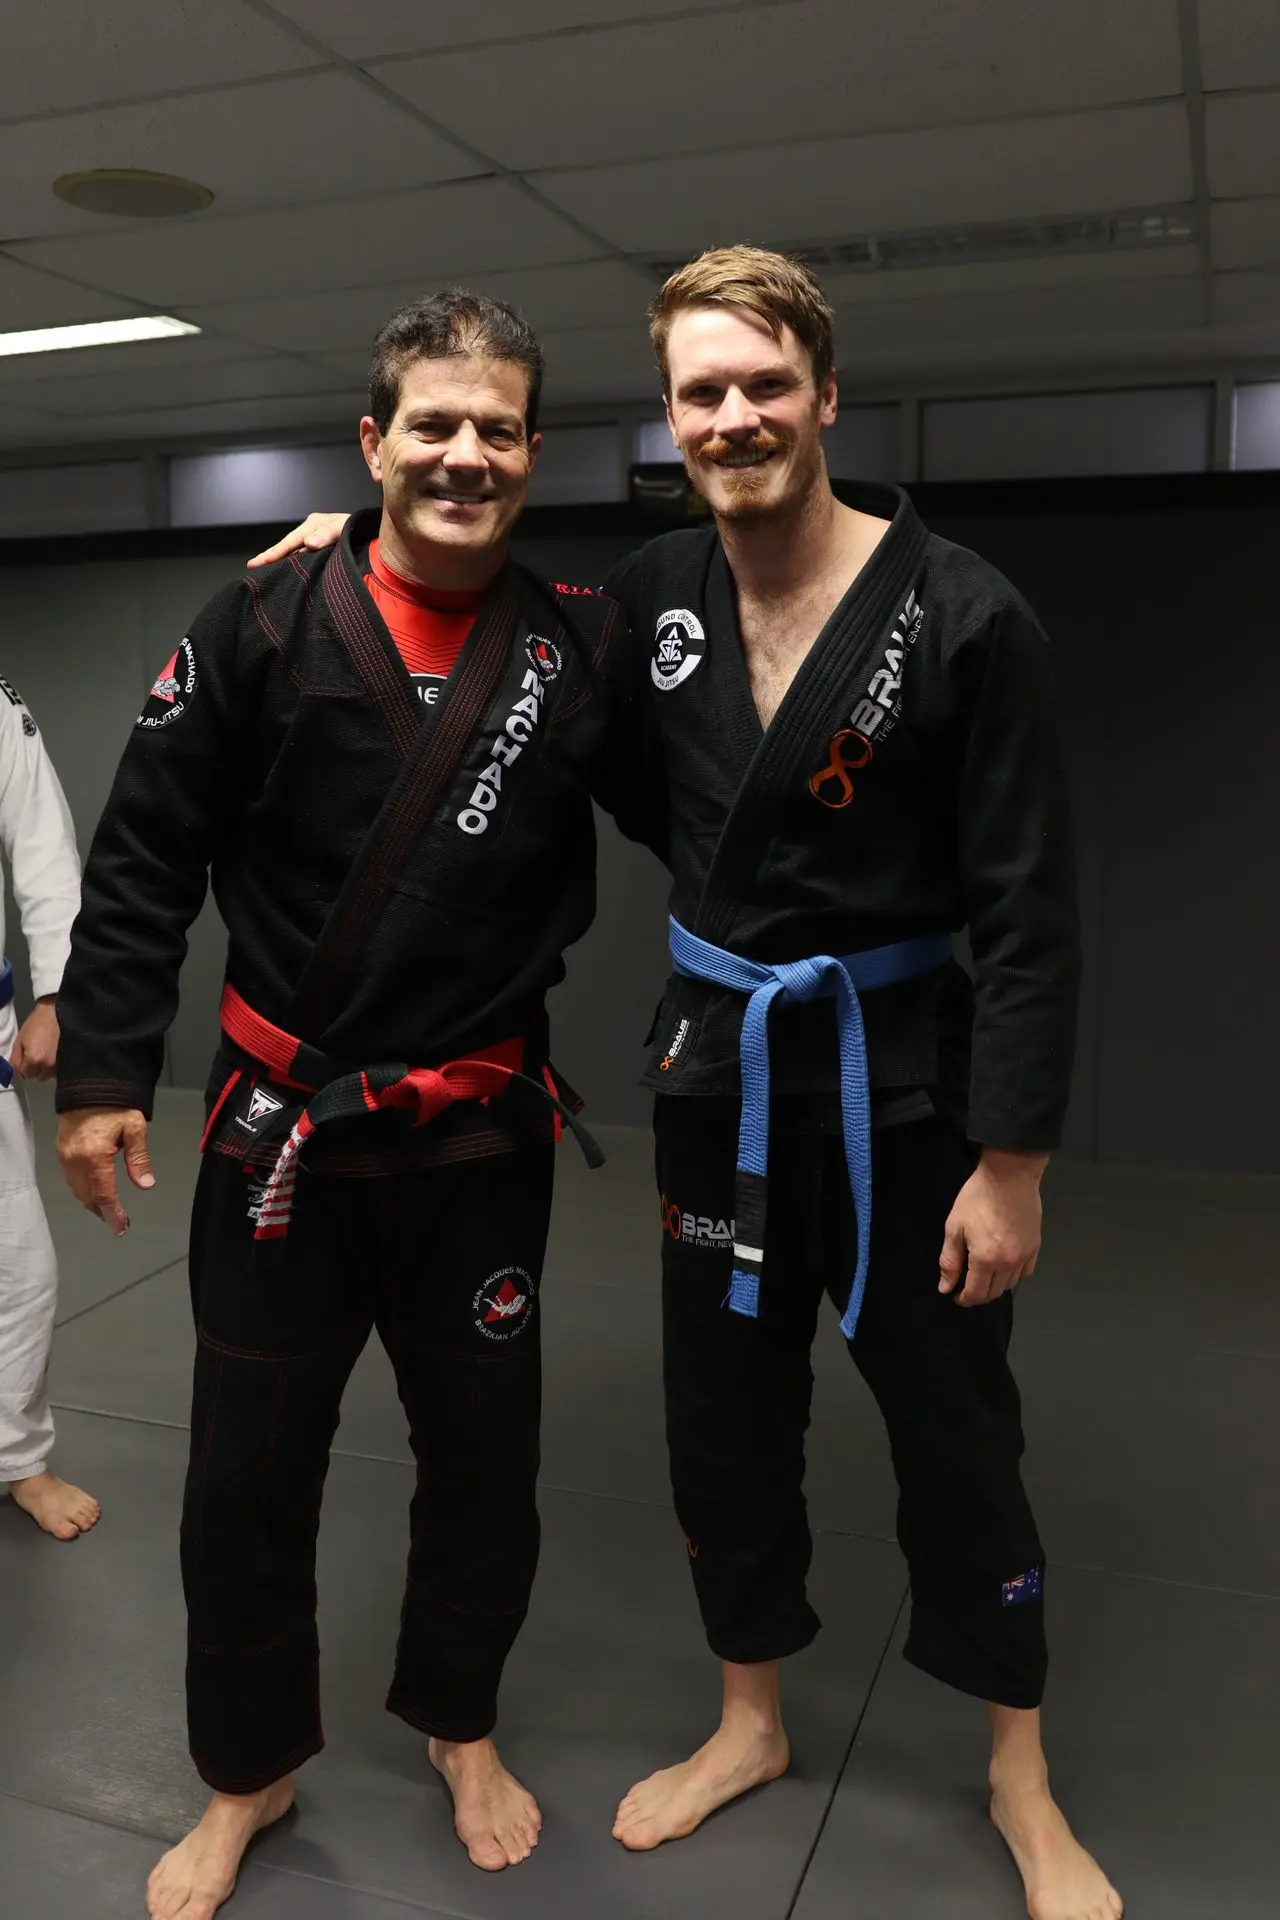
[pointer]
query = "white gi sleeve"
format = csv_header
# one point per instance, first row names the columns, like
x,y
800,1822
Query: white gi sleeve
x,y
39,843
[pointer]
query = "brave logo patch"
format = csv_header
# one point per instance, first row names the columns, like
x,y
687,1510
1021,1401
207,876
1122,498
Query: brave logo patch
x,y
171,695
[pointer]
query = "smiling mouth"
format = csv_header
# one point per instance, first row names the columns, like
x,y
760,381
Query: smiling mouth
x,y
460,499
744,462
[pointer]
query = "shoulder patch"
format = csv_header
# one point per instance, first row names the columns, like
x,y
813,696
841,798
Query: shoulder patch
x,y
29,726
11,694
173,691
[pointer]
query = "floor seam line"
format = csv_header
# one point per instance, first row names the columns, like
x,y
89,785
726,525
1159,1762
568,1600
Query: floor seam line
x,y
1088,1566
78,1813
269,1866
120,1292
371,1893
1165,1580
848,1754
130,1419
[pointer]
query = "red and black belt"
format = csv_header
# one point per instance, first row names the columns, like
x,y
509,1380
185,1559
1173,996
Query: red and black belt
x,y
334,1092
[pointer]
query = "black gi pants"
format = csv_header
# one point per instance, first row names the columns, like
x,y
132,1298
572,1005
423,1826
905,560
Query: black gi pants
x,y
739,1390
445,1261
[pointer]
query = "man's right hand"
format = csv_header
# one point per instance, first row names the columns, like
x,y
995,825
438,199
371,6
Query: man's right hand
x,y
318,530
89,1139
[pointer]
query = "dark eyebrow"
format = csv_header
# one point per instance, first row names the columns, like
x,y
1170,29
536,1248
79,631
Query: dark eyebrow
x,y
447,416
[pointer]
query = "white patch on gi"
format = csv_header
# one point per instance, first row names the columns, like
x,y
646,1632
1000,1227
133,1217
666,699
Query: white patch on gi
x,y
674,660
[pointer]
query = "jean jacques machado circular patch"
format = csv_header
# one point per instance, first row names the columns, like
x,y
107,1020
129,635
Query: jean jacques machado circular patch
x,y
543,656
678,645
501,1307
172,691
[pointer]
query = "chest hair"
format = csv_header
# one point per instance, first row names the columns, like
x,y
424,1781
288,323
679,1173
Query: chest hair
x,y
777,634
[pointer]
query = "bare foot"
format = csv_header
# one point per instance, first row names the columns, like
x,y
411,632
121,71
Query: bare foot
x,y
740,1755
192,1881
496,1819
55,1505
1063,1882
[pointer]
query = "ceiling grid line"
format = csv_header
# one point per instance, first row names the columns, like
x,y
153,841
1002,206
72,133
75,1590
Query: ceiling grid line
x,y
580,30
1197,128
518,181
196,91
949,171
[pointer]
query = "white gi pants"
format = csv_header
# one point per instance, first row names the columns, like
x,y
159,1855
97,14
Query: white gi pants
x,y
28,1290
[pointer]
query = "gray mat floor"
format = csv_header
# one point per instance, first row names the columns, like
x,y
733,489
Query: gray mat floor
x,y
1149,1352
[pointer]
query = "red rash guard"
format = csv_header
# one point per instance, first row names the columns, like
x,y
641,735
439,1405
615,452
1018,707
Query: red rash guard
x,y
428,625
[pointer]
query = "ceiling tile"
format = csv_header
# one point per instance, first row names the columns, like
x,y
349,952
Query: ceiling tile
x,y
999,276
17,422
193,352
1059,312
1244,144
372,27
147,390
318,137
1067,163
438,232
1246,233
1244,297
218,420
350,365
613,362
32,299
594,292
789,72
69,53
1240,43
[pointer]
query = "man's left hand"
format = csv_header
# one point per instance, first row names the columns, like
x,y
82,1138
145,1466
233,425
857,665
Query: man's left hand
x,y
35,1051
992,1238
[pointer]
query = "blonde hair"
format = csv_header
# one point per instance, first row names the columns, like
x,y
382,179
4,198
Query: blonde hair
x,y
773,286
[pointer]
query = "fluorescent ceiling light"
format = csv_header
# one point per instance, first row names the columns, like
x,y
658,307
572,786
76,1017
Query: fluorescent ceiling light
x,y
95,333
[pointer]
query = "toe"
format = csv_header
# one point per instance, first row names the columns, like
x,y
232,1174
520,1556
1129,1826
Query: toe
x,y
64,1530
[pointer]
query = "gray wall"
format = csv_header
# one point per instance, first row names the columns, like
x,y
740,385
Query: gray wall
x,y
1165,642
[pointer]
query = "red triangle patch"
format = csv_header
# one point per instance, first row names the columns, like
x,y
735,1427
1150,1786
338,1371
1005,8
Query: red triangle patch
x,y
506,1303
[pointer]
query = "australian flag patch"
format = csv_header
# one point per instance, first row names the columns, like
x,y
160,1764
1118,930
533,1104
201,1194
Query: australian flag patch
x,y
1027,1586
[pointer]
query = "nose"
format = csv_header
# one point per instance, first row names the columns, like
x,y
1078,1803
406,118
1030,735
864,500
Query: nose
x,y
465,452
736,414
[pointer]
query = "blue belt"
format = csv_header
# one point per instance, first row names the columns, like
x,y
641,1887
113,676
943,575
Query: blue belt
x,y
791,981
6,996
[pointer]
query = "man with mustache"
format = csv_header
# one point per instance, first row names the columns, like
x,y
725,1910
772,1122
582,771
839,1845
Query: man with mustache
x,y
862,758
386,758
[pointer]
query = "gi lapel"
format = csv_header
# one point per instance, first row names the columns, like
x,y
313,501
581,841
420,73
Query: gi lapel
x,y
433,742
835,666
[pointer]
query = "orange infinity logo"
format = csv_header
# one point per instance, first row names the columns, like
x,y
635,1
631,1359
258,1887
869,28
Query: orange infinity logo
x,y
845,759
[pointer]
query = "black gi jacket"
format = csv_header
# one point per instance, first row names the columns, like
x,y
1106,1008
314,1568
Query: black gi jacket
x,y
398,883
911,781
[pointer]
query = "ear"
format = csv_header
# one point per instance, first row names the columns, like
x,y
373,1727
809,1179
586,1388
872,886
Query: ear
x,y
828,402
535,448
371,447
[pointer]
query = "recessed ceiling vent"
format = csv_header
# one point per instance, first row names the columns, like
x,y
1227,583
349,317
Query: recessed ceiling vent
x,y
1133,230
132,194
